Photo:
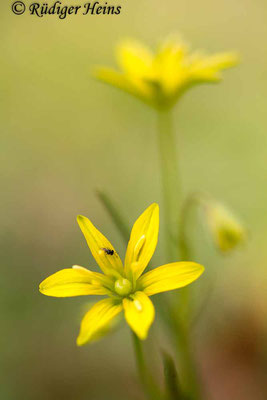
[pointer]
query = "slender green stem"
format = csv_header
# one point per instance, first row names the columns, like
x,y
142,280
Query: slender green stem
x,y
172,207
187,368
184,242
192,381
185,254
146,379
170,180
184,245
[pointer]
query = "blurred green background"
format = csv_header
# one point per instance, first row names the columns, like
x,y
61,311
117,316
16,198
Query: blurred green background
x,y
63,135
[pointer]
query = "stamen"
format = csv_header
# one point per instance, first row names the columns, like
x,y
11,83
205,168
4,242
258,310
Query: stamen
x,y
138,305
81,268
135,268
138,247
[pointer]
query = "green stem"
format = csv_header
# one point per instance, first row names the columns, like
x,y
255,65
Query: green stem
x,y
187,368
185,254
192,381
186,250
146,379
172,206
184,243
170,180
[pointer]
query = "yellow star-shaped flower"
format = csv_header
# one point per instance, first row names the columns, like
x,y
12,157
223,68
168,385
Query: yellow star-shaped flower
x,y
161,78
127,289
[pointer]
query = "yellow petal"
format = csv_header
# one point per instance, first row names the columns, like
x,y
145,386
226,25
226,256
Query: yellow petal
x,y
98,320
143,241
139,313
135,59
170,63
71,282
117,79
169,277
109,263
208,68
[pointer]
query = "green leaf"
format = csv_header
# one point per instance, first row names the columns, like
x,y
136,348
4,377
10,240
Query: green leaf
x,y
115,214
173,389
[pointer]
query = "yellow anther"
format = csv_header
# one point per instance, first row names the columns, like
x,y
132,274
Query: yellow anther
x,y
138,305
138,247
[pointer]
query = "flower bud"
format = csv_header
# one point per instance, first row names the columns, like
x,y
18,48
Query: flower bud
x,y
227,232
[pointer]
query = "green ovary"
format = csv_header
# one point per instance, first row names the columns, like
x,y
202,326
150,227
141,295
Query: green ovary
x,y
123,287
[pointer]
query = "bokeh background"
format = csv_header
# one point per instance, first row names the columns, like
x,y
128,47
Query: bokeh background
x,y
63,135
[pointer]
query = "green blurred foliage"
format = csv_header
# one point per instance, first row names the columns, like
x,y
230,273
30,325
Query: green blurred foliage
x,y
63,135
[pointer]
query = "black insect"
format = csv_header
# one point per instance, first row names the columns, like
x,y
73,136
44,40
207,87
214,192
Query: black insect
x,y
108,251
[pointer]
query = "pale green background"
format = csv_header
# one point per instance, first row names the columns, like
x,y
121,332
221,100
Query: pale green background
x,y
63,134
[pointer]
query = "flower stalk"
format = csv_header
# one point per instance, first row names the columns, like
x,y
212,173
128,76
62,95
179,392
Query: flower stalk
x,y
176,244
146,379
170,180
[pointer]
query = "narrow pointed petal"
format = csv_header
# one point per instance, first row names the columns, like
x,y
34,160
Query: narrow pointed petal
x,y
169,277
143,241
128,83
116,79
139,313
72,282
209,68
135,59
109,263
98,320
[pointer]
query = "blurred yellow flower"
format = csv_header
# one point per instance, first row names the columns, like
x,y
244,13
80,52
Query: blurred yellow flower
x,y
127,289
227,232
160,79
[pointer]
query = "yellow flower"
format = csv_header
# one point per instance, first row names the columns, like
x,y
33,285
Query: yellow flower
x,y
159,79
127,289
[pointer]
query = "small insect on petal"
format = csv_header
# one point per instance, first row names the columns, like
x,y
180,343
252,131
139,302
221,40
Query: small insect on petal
x,y
109,252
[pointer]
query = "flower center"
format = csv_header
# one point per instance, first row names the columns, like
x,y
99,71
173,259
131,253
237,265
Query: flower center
x,y
123,287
